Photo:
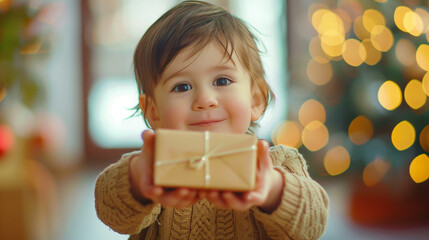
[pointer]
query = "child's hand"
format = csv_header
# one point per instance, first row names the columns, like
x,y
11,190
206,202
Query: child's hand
x,y
141,178
267,193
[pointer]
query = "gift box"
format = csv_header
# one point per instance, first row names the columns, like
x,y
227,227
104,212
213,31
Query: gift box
x,y
205,160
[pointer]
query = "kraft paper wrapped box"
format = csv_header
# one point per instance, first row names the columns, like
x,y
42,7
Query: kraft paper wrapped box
x,y
205,160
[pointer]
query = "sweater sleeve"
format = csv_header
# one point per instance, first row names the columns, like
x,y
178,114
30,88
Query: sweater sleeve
x,y
303,211
114,203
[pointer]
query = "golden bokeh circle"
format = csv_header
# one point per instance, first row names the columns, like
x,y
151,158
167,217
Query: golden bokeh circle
x,y
414,95
419,168
288,134
424,138
319,73
403,135
311,110
422,56
382,38
390,95
315,136
336,160
360,130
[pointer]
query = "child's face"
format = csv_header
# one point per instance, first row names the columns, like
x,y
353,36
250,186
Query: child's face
x,y
204,92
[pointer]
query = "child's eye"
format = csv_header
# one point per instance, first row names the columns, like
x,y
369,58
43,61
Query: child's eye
x,y
182,87
222,81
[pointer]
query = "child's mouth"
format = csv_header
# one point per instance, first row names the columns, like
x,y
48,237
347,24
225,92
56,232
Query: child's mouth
x,y
206,123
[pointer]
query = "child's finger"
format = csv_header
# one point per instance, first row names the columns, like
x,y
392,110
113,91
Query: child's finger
x,y
264,161
235,202
215,198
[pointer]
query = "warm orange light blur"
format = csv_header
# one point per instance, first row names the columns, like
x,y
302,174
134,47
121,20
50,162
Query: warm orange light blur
x,y
316,50
414,95
422,56
405,52
424,138
354,52
324,20
424,15
382,38
372,18
360,130
332,51
375,171
373,56
413,23
311,110
419,168
403,135
336,160
360,30
319,73
315,136
347,22
399,17
390,95
425,83
288,134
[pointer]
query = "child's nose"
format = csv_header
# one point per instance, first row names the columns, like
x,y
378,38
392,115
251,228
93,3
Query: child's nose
x,y
204,99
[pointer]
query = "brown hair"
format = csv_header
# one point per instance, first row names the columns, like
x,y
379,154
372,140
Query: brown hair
x,y
196,23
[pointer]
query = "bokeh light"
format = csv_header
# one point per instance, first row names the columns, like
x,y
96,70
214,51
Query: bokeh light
x,y
319,73
424,15
288,134
360,130
375,171
413,23
316,50
360,30
315,136
372,18
419,168
311,110
389,95
424,138
354,52
382,38
399,15
422,56
336,160
405,52
324,20
373,56
425,83
414,95
403,135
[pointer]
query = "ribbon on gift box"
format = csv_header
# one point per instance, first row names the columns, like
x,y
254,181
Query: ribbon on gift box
x,y
204,161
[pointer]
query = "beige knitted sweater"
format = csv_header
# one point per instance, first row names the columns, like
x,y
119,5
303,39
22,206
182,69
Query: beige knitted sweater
x,y
302,213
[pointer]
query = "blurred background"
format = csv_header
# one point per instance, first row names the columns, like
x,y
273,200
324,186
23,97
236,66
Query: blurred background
x,y
351,82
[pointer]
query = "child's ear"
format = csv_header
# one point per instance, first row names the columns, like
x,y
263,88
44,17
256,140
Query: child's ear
x,y
258,104
148,108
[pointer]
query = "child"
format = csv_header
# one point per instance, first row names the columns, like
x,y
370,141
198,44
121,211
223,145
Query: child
x,y
198,68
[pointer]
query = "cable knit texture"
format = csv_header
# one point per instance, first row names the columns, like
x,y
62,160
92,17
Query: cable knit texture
x,y
302,213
